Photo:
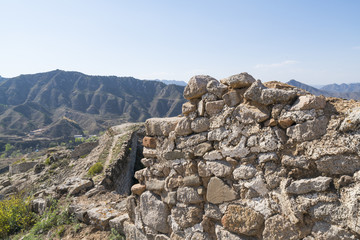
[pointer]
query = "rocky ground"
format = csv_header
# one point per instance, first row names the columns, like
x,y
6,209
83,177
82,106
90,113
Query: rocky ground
x,y
64,175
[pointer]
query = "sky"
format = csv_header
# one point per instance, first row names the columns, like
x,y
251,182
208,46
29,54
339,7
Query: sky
x,y
314,42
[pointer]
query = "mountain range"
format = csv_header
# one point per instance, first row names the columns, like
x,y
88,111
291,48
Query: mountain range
x,y
89,103
347,91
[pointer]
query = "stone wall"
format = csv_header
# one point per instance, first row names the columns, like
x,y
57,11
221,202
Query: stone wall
x,y
249,161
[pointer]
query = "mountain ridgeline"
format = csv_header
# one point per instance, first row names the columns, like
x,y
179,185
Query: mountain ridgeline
x,y
37,101
347,91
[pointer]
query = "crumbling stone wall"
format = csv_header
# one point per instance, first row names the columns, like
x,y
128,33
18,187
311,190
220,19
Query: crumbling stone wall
x,y
249,161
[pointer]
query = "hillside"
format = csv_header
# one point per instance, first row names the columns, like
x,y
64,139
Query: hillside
x,y
30,102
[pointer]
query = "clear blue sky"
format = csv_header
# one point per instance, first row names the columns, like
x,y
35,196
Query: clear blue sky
x,y
315,42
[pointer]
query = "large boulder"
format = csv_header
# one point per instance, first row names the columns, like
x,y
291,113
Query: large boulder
x,y
161,126
196,86
239,80
154,212
257,92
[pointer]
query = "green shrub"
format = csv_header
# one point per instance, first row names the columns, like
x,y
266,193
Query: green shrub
x,y
53,217
95,169
47,161
15,215
115,235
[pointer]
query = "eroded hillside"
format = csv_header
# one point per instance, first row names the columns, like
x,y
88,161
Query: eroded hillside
x,y
31,102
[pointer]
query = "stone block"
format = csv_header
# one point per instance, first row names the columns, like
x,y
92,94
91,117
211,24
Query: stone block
x,y
149,142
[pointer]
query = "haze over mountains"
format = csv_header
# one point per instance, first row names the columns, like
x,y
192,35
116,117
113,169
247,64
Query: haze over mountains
x,y
94,103
347,91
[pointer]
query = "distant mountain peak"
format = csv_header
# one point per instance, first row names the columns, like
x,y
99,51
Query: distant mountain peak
x,y
176,82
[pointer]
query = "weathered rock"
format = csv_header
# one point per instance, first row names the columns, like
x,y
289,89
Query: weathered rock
x,y
196,86
285,122
7,190
101,216
267,157
161,237
186,215
200,125
232,98
203,170
309,102
40,205
79,212
218,134
5,183
149,142
131,232
331,212
183,128
352,120
258,184
257,92
295,161
81,186
323,230
192,180
155,185
219,168
271,123
216,88
147,162
138,189
188,107
299,116
190,141
21,167
118,223
338,164
244,172
212,211
202,148
149,153
242,220
303,186
308,130
188,195
214,107
219,192
239,80
278,227
222,234
213,155
239,151
161,126
130,207
249,114
201,108
174,155
154,212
